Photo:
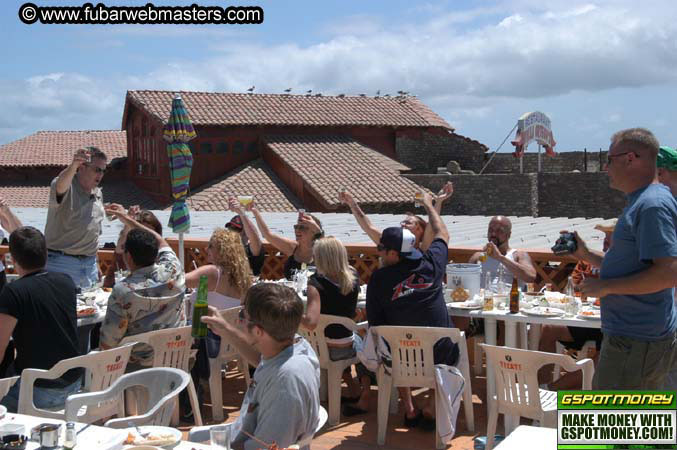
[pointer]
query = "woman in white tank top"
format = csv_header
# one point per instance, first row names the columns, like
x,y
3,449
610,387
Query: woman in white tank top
x,y
228,272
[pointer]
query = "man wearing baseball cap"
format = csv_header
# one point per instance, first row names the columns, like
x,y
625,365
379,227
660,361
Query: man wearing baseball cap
x,y
666,162
407,290
249,235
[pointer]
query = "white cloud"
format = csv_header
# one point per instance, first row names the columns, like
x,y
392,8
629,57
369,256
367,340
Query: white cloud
x,y
466,64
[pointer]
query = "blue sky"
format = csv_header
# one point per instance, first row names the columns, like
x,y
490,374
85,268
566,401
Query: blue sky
x,y
593,66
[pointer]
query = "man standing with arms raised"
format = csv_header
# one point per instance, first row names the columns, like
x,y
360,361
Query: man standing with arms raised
x,y
638,272
74,217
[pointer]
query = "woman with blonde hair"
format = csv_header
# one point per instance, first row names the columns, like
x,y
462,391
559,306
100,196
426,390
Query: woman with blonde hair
x,y
333,290
228,272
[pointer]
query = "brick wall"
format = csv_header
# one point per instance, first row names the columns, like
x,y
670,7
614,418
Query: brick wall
x,y
544,194
424,152
578,195
486,195
563,162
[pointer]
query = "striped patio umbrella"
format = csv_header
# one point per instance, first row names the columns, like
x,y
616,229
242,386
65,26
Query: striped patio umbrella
x,y
177,131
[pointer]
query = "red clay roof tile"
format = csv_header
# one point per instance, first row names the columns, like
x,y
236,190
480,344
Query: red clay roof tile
x,y
56,148
221,109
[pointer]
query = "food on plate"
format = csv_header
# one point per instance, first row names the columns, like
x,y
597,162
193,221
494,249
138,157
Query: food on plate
x,y
589,313
107,289
460,295
152,439
86,311
597,303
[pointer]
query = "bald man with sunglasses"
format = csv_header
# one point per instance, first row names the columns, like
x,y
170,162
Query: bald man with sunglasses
x,y
74,217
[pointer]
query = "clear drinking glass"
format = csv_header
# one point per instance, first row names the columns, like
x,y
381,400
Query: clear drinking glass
x,y
220,437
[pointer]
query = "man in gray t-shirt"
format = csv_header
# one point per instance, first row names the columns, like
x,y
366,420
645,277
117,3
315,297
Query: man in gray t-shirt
x,y
282,403
74,217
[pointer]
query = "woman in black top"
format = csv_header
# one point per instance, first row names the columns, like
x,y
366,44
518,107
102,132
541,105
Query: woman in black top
x,y
333,290
299,251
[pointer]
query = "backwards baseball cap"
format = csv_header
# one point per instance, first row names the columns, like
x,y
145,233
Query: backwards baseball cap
x,y
235,223
667,158
401,240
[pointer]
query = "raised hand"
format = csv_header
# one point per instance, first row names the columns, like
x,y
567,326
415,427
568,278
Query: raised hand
x,y
81,157
345,198
446,192
234,205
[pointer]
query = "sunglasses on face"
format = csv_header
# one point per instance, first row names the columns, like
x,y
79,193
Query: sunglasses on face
x,y
609,158
298,227
98,170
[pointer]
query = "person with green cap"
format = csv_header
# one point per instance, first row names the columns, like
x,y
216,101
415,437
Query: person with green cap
x,y
666,162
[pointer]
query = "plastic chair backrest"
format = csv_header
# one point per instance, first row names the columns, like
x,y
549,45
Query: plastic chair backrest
x,y
317,339
162,383
227,350
101,370
6,384
411,350
516,371
171,346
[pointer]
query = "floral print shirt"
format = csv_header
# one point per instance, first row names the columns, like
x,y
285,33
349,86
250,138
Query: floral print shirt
x,y
151,298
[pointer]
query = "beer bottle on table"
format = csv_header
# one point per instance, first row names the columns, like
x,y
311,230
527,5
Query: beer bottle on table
x,y
514,297
200,309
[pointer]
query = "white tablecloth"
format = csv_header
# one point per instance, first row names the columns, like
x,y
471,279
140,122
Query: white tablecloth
x,y
100,300
525,437
94,437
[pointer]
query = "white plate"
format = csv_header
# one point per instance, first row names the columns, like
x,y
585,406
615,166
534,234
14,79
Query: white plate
x,y
171,442
3,411
464,305
596,316
544,311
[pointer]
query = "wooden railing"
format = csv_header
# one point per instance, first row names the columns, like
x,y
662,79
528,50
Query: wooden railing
x,y
364,257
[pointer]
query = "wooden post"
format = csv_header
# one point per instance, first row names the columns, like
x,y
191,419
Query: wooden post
x,y
585,159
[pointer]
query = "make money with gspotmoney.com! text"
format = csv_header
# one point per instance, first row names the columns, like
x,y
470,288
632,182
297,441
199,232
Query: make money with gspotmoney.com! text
x,y
88,13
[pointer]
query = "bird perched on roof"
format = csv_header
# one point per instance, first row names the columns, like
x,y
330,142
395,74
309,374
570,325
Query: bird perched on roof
x,y
378,93
341,95
288,90
363,95
309,91
318,95
251,89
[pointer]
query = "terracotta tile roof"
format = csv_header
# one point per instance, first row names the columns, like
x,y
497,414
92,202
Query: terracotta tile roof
x,y
36,195
222,109
328,163
254,178
56,148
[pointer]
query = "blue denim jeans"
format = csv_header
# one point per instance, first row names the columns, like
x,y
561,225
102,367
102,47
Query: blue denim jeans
x,y
43,398
83,271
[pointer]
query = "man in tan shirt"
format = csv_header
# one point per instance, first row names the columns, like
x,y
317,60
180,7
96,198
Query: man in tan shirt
x,y
74,217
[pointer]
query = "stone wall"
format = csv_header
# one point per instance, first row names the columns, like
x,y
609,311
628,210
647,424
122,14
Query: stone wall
x,y
578,195
563,162
543,194
486,195
424,152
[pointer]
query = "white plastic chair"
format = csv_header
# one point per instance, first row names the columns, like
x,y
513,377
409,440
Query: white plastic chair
x,y
587,351
6,384
101,370
334,369
163,384
412,366
227,352
201,434
171,348
517,390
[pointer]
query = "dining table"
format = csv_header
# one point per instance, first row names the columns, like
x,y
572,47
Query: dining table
x,y
98,299
512,323
88,436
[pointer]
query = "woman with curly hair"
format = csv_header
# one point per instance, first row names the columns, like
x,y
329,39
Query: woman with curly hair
x,y
228,272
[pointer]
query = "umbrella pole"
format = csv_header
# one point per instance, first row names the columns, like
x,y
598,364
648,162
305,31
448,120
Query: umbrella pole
x,y
181,251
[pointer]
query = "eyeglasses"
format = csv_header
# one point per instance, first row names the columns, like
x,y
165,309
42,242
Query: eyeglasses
x,y
245,319
609,157
300,227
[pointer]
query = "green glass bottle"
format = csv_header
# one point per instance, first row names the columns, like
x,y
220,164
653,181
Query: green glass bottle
x,y
200,308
